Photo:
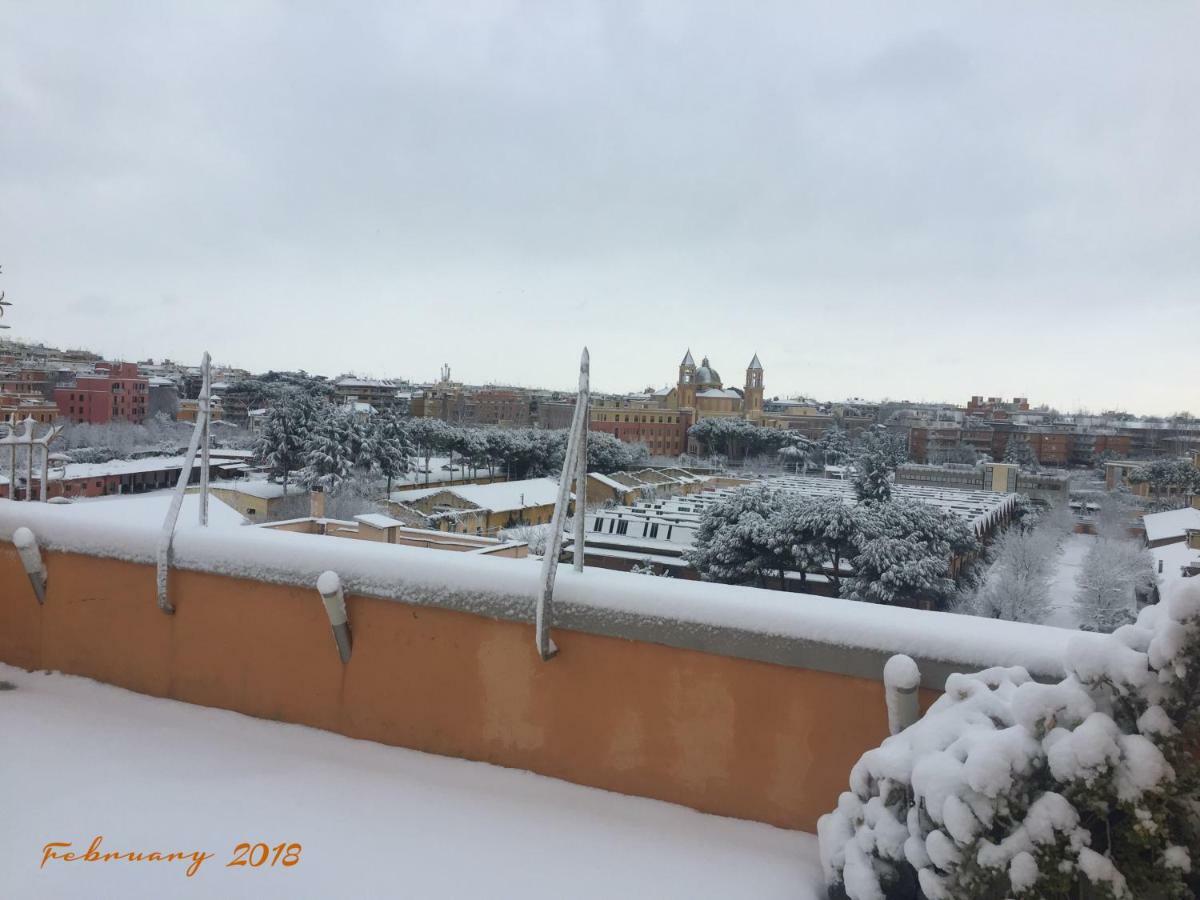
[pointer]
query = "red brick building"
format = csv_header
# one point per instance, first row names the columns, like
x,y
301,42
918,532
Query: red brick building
x,y
116,392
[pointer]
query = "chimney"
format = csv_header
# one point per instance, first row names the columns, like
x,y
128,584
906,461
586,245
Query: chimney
x,y
316,502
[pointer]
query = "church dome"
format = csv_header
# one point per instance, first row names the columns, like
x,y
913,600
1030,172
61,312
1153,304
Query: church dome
x,y
706,375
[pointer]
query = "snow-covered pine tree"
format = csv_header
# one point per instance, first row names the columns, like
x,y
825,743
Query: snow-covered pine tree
x,y
391,448
872,480
831,526
327,458
1019,452
904,550
729,542
835,446
280,444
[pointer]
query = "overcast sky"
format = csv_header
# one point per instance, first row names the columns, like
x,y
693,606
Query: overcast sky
x,y
883,200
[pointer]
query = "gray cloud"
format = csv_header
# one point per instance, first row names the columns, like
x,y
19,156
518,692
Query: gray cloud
x,y
912,202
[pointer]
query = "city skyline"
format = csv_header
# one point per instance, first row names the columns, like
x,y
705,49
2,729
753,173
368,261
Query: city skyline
x,y
912,204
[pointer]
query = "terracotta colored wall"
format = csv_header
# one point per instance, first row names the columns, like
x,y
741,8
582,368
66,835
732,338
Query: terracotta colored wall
x,y
723,735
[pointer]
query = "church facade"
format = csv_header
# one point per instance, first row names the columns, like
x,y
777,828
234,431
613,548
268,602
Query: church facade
x,y
660,419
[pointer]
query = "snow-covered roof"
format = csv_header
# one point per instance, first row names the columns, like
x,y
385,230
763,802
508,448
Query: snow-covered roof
x,y
151,509
264,490
1173,559
376,520
726,393
364,382
498,497
1174,523
124,467
608,482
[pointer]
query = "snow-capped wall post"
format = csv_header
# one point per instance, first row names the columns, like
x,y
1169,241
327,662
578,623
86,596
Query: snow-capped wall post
x,y
901,678
329,586
185,475
31,559
576,444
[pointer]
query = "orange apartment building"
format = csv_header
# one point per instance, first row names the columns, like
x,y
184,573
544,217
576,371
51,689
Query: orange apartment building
x,y
116,392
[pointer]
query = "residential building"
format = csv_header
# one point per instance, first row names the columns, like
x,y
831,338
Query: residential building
x,y
114,392
477,508
382,394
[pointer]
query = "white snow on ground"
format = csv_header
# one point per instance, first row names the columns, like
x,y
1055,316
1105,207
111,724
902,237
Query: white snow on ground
x,y
1063,589
80,759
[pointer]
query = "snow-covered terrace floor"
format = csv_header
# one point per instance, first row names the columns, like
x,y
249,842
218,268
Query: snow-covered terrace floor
x,y
80,759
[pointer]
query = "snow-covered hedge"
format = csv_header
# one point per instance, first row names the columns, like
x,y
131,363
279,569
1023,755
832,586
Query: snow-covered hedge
x,y
1008,788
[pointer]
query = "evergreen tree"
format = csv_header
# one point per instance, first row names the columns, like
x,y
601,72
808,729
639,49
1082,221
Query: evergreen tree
x,y
729,546
872,480
391,448
1019,452
327,456
280,444
835,446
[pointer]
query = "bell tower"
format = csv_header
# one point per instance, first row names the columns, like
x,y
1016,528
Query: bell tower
x,y
686,388
753,391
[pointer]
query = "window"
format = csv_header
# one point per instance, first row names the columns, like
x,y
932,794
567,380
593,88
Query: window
x,y
250,510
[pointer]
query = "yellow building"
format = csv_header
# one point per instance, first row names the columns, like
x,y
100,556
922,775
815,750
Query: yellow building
x,y
477,508
661,419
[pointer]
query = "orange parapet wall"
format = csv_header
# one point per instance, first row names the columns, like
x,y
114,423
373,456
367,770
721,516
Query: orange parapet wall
x,y
724,735
730,700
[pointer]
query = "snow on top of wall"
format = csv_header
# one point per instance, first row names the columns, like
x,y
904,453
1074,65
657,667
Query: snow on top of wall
x,y
683,612
147,510
501,496
1171,524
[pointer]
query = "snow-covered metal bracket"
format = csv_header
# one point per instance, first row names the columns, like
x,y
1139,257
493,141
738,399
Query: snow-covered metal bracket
x,y
574,466
13,439
199,442
329,586
31,560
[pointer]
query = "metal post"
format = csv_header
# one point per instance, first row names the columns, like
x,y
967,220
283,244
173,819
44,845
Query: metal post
x,y
168,530
581,461
45,471
329,586
575,444
205,405
29,458
31,560
901,678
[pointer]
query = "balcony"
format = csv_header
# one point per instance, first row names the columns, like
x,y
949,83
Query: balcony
x,y
732,701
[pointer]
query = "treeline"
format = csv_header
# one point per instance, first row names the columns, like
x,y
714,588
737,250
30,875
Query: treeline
x,y
881,551
736,438
318,443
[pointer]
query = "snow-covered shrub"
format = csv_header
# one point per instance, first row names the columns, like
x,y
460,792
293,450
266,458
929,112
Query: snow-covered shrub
x,y
1008,788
